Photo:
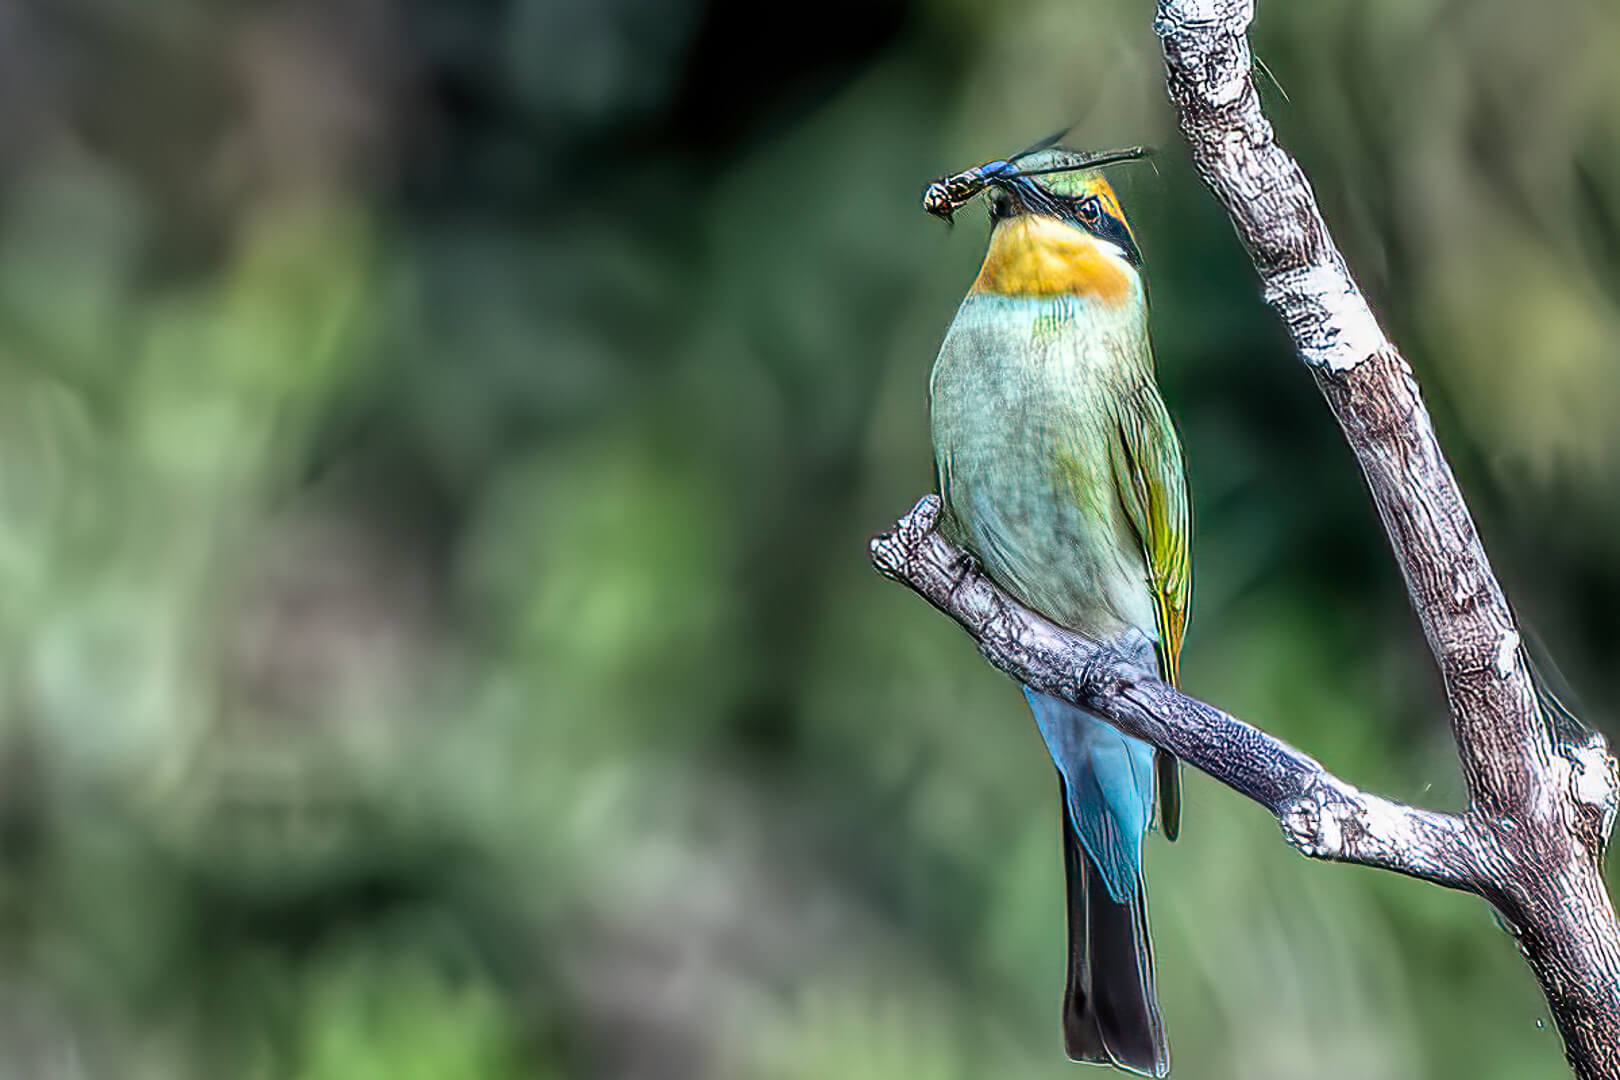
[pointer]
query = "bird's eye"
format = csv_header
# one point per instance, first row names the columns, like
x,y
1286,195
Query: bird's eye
x,y
1090,209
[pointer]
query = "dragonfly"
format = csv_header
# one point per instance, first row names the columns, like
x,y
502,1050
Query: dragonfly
x,y
945,196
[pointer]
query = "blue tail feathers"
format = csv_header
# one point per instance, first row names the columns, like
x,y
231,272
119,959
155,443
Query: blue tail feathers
x,y
1108,778
1110,1004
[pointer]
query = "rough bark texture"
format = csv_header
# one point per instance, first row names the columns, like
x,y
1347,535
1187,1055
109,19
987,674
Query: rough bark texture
x,y
1531,839
1321,815
1545,833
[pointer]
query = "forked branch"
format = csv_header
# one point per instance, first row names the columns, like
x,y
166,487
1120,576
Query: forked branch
x,y
1531,839
1321,815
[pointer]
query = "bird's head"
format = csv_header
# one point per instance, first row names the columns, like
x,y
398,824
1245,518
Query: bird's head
x,y
1070,188
1057,224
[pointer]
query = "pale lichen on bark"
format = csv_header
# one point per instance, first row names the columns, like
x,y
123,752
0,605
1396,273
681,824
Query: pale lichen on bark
x,y
1327,315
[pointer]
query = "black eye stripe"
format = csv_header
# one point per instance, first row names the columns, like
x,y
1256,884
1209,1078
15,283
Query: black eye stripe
x,y
1111,228
1087,211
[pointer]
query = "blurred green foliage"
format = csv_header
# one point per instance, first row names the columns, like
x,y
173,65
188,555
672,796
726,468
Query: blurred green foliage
x,y
437,446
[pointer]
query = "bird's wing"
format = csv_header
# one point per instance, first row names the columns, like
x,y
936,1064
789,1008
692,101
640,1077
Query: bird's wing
x,y
1153,489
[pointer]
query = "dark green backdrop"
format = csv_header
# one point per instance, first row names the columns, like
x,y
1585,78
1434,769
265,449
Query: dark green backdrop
x,y
438,443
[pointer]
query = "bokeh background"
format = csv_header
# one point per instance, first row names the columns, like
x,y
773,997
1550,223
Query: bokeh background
x,y
438,444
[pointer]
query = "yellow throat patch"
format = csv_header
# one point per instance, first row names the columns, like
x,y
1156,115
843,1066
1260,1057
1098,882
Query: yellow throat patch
x,y
1033,255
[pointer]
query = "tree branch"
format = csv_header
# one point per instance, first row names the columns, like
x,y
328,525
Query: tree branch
x,y
1531,840
1504,745
1320,814
1546,867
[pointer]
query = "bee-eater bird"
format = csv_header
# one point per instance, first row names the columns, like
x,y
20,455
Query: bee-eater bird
x,y
1059,469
